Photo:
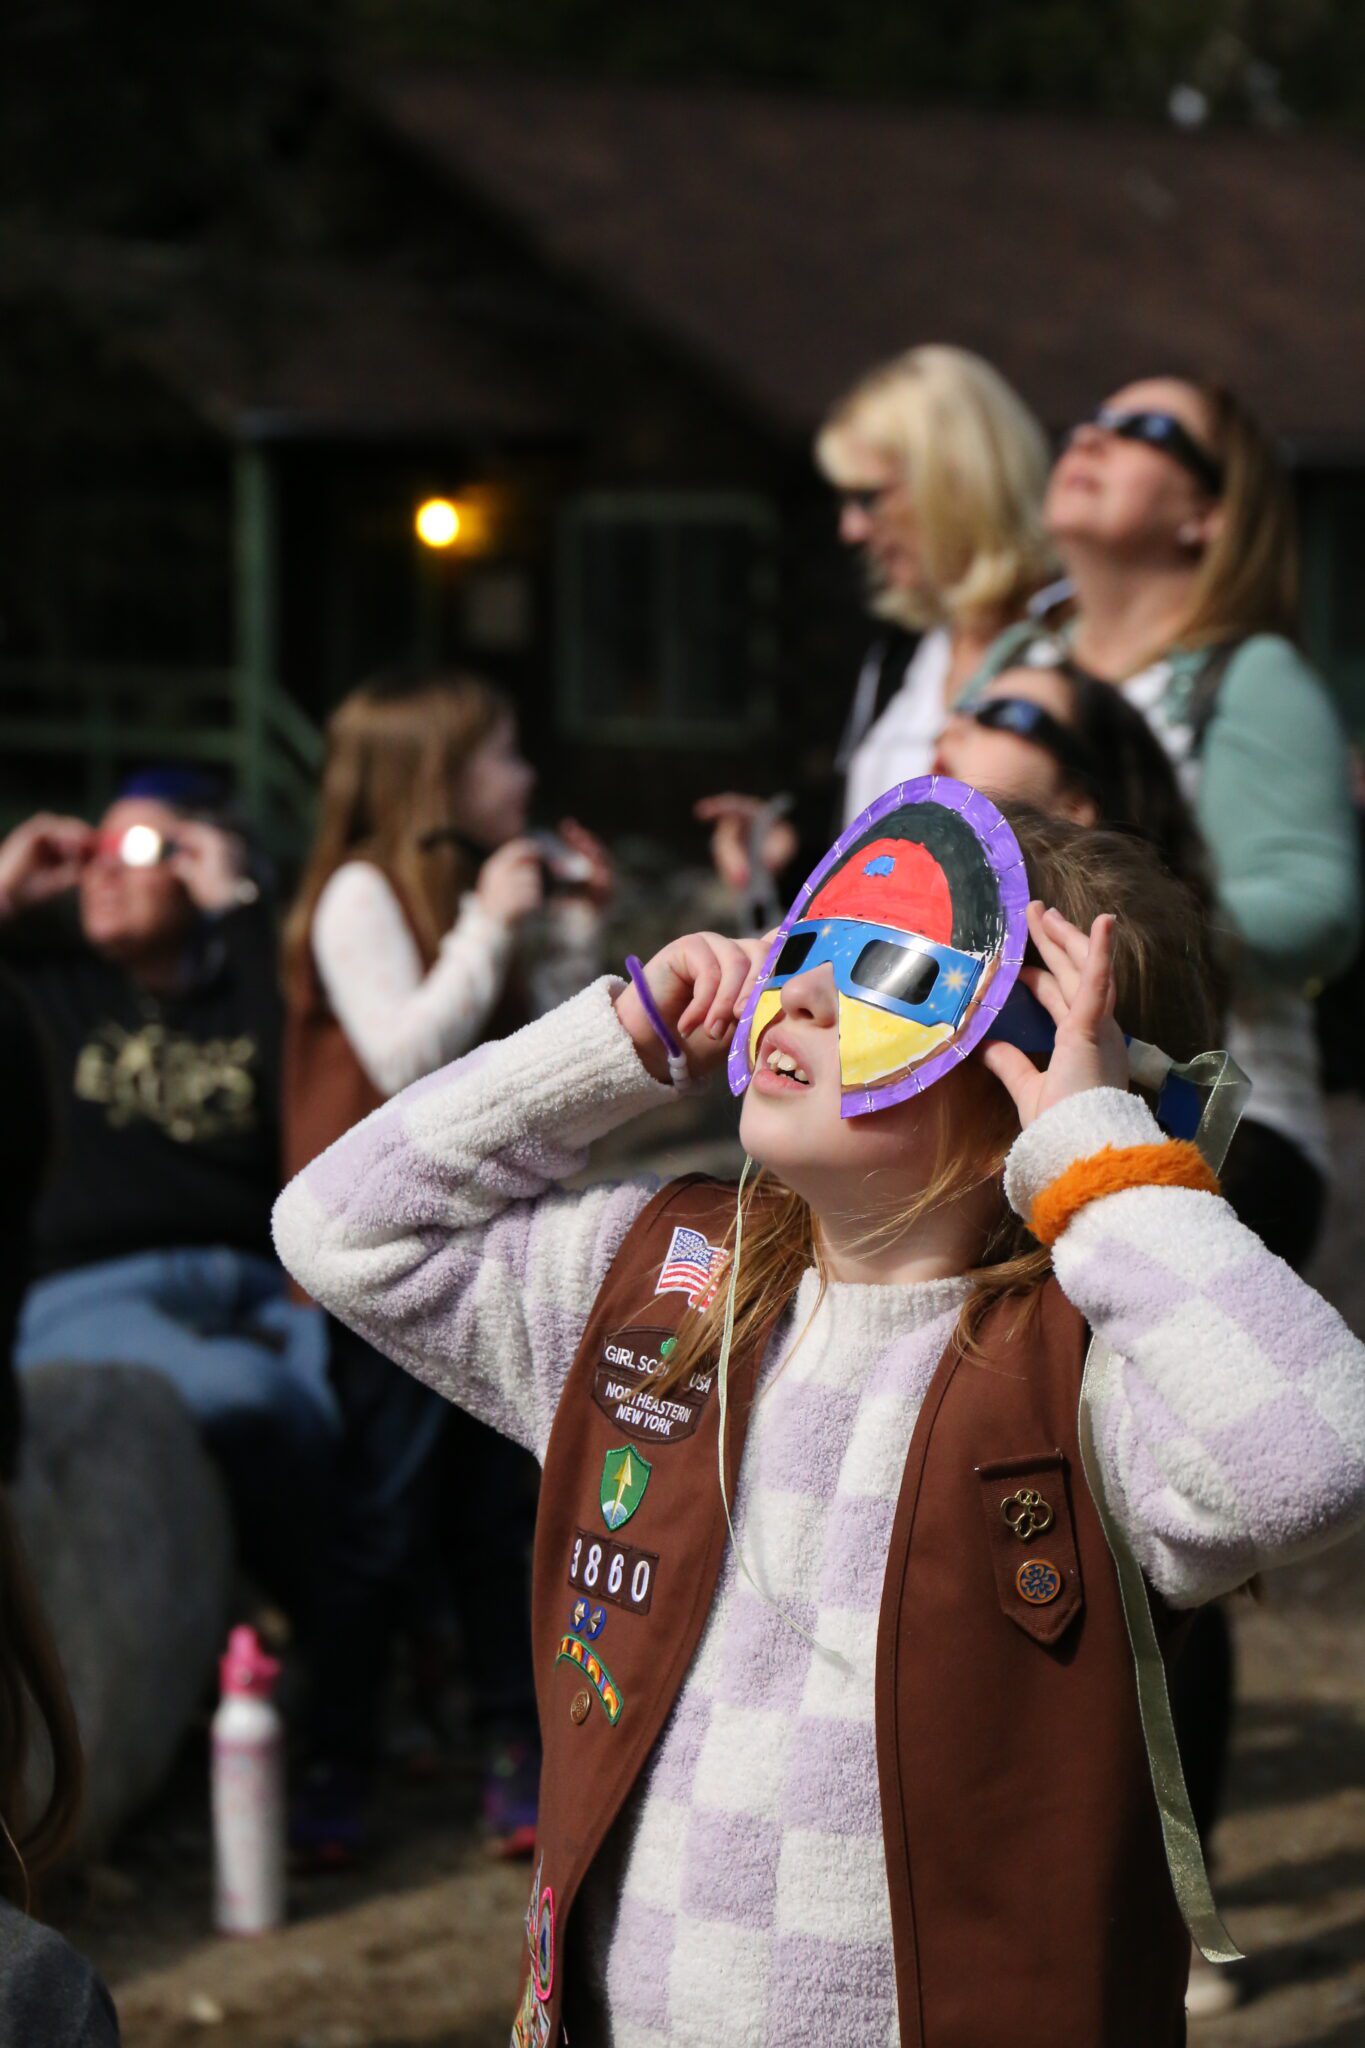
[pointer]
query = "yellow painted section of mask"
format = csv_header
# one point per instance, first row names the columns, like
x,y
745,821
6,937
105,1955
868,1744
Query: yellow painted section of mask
x,y
765,1009
874,1044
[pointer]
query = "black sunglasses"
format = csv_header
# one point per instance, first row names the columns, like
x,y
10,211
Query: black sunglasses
x,y
1164,431
867,497
1029,721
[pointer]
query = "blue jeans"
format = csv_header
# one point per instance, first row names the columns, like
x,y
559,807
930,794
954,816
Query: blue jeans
x,y
250,1365
431,1502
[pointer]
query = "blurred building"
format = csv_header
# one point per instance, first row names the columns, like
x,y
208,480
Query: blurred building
x,y
600,323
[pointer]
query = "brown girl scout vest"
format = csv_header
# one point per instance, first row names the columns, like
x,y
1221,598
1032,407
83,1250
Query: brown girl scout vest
x,y
1030,1899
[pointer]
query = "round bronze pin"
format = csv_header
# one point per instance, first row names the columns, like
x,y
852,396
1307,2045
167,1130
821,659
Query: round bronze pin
x,y
580,1706
1038,1581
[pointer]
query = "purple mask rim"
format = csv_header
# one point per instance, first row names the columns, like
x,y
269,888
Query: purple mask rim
x,y
1001,849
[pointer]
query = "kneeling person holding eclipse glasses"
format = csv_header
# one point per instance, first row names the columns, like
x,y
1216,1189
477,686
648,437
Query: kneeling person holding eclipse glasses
x,y
150,969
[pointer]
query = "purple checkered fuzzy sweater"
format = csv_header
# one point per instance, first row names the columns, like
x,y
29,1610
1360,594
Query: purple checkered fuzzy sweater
x,y
742,1896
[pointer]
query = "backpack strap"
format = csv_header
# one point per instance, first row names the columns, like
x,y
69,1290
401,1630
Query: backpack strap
x,y
1004,652
1203,700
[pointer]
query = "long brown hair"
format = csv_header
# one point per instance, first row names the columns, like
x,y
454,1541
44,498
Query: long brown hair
x,y
394,749
34,1702
1161,967
1248,581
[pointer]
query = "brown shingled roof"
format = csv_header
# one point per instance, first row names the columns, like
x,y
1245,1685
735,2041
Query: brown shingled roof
x,y
305,347
789,243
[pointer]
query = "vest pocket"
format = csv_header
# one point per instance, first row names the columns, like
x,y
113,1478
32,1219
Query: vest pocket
x,y
1032,1539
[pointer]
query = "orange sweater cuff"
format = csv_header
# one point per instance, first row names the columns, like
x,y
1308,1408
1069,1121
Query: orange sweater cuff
x,y
1175,1163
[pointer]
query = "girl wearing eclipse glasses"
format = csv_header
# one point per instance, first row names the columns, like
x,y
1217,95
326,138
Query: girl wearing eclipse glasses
x,y
840,1535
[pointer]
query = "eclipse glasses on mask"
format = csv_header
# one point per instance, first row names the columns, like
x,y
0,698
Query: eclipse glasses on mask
x,y
919,911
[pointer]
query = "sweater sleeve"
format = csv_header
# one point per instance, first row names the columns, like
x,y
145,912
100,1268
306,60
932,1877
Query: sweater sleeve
x,y
1274,806
1230,1422
438,1228
402,1023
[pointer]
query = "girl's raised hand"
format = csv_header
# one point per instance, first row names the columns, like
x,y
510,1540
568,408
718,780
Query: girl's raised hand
x,y
511,881
1075,986
697,982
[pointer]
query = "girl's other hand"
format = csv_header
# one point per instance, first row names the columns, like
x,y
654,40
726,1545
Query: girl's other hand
x,y
1075,985
697,983
732,818
600,885
511,881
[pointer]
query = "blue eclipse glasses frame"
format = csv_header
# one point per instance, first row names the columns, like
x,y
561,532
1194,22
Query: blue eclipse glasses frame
x,y
911,977
918,979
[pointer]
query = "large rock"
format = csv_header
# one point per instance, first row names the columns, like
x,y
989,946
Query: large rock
x,y
127,1529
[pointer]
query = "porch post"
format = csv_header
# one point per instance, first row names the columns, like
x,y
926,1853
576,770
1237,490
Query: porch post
x,y
256,574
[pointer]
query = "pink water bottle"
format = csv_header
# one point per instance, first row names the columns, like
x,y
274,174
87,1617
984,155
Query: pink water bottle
x,y
248,1792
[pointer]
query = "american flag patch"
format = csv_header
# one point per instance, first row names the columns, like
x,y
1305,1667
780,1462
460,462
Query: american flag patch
x,y
692,1267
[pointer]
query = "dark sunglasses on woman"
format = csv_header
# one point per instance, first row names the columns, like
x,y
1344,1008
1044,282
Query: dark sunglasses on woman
x,y
1029,721
867,497
1164,431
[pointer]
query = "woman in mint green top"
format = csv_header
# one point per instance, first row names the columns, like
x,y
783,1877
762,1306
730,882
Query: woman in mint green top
x,y
1174,522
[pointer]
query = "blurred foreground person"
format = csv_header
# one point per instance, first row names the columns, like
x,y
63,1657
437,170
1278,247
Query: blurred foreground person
x,y
49,1995
401,953
940,469
151,977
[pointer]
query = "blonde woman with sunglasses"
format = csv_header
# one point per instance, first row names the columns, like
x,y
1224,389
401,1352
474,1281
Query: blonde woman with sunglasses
x,y
939,470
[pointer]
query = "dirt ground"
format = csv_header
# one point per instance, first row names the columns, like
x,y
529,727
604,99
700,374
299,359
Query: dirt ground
x,y
421,1950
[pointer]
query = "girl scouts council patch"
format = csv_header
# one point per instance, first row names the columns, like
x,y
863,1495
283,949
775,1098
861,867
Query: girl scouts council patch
x,y
621,1388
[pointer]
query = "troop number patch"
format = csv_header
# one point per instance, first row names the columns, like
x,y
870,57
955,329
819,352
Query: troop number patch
x,y
612,1571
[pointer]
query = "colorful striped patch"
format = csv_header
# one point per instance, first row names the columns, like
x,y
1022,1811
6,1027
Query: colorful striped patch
x,y
573,1650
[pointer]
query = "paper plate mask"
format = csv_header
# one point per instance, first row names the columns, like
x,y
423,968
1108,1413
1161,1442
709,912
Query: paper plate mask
x,y
919,909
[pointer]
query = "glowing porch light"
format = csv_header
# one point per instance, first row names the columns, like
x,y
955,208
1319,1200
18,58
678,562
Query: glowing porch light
x,y
438,523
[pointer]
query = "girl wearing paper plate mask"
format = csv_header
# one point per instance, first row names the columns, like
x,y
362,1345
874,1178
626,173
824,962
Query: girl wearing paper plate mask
x,y
911,922
868,1764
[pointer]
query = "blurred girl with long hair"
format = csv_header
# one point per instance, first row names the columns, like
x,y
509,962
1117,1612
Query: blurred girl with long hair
x,y
399,954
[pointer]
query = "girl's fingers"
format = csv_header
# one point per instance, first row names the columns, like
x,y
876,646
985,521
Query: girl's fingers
x,y
1070,937
1011,1067
703,968
756,952
1053,952
1094,998
1071,954
734,974
1044,986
